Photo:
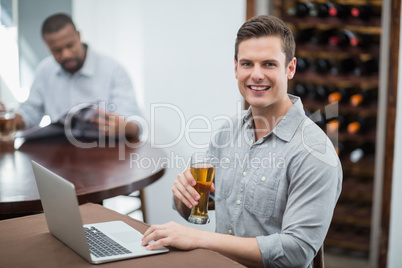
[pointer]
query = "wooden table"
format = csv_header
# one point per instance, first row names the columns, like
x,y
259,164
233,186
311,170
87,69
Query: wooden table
x,y
26,242
97,173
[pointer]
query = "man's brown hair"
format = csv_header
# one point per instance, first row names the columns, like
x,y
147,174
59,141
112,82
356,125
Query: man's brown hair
x,y
265,25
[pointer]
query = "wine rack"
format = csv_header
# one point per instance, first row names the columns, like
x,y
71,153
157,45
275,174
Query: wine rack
x,y
337,48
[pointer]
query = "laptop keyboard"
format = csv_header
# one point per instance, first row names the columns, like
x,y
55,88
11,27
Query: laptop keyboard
x,y
101,245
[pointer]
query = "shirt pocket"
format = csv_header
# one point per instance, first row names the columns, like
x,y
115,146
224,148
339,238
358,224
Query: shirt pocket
x,y
261,196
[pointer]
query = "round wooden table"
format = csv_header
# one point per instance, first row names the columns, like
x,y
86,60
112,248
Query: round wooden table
x,y
117,168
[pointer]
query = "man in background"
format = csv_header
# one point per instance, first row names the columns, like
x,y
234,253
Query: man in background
x,y
75,74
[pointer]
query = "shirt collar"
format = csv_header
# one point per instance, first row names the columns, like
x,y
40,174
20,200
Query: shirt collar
x,y
248,119
288,125
88,69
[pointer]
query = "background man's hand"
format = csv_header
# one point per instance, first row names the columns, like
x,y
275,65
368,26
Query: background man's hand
x,y
114,125
2,107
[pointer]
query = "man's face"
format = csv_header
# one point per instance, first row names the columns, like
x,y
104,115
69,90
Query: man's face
x,y
261,73
66,47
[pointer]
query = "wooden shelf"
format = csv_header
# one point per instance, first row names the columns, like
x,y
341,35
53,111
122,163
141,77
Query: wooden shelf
x,y
359,170
351,219
351,223
366,110
345,242
369,136
352,51
309,76
333,21
362,191
348,236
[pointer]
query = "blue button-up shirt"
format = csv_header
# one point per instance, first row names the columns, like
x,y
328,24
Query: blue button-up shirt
x,y
281,189
55,91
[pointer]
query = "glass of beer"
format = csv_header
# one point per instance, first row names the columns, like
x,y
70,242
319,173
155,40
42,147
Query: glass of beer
x,y
203,170
7,125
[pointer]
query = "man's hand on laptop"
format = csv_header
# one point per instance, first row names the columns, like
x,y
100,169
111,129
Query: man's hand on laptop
x,y
172,234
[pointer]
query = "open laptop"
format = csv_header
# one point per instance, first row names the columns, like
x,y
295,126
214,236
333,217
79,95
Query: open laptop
x,y
64,221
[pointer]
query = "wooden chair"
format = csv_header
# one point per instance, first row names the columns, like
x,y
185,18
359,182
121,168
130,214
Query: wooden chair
x,y
318,261
140,194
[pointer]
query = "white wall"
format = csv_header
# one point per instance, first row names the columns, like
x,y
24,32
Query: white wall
x,y
180,55
114,28
395,235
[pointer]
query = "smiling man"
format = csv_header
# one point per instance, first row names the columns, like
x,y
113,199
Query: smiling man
x,y
276,193
262,71
76,74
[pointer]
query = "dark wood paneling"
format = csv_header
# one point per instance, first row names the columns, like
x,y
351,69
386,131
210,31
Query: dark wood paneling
x,y
393,67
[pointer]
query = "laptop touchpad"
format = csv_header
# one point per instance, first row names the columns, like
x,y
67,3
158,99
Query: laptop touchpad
x,y
128,237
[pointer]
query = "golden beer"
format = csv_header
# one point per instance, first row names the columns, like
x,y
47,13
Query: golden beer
x,y
7,126
203,174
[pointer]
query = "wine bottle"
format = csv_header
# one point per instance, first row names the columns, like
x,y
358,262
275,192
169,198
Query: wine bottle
x,y
365,12
361,125
366,149
339,148
317,117
321,10
345,66
340,11
365,40
300,90
302,9
344,148
364,97
304,35
322,66
334,125
344,38
319,93
337,124
322,37
303,64
341,95
368,67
